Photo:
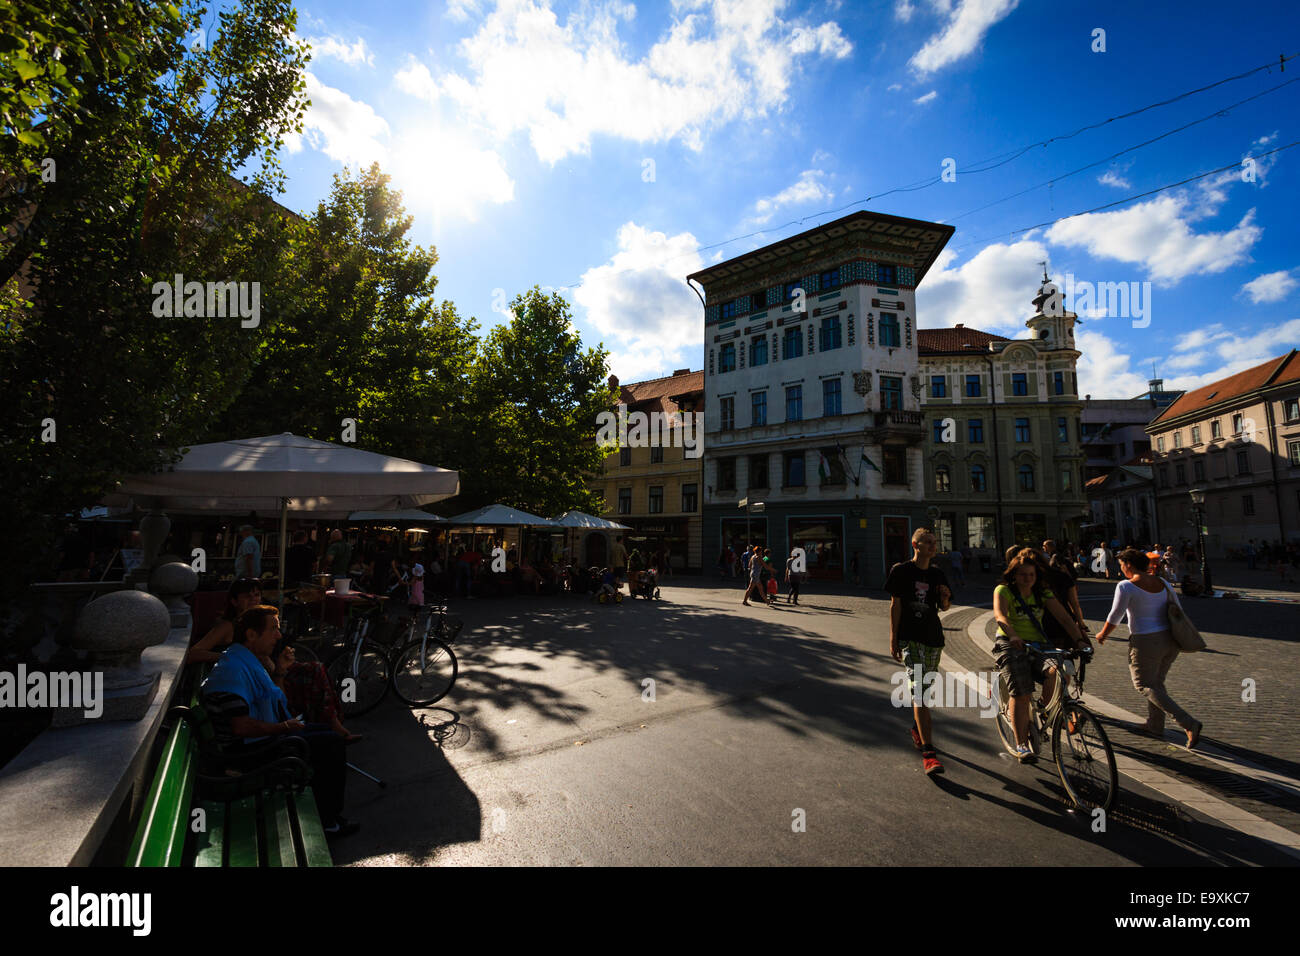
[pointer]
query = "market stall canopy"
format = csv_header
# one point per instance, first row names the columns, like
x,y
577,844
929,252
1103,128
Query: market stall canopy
x,y
257,474
407,516
500,516
580,519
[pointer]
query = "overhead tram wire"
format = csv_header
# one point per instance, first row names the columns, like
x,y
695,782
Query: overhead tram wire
x,y
996,161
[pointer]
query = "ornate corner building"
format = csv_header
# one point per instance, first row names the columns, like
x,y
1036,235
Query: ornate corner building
x,y
812,379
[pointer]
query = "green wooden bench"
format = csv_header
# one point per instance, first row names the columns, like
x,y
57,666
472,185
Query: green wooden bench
x,y
255,818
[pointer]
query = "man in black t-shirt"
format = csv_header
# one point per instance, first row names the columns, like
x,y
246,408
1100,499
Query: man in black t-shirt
x,y
299,560
918,592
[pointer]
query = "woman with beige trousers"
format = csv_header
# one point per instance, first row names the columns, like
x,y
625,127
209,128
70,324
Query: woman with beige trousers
x,y
1145,598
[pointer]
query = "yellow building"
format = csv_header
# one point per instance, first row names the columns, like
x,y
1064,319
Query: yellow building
x,y
652,483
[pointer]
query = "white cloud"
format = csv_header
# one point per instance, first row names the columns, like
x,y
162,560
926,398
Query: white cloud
x,y
1105,372
894,87
1212,189
640,302
1187,360
809,187
1111,178
933,94
1158,236
963,32
565,83
825,39
991,292
1251,350
344,129
1271,287
461,10
353,54
416,80
903,11
1202,337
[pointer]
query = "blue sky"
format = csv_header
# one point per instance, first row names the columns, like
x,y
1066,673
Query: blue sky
x,y
608,149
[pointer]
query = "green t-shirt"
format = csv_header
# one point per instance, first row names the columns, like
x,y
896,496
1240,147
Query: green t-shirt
x,y
338,555
1024,627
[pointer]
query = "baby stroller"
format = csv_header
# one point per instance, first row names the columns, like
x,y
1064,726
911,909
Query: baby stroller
x,y
645,584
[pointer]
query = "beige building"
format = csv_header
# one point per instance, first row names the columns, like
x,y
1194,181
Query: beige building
x,y
1238,439
652,483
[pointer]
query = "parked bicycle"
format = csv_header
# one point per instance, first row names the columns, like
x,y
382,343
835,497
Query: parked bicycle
x,y
1082,753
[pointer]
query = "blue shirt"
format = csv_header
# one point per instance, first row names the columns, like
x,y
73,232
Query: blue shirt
x,y
250,547
239,672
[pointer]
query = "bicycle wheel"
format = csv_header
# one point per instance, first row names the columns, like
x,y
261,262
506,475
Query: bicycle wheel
x,y
304,654
425,671
361,677
1003,719
1084,758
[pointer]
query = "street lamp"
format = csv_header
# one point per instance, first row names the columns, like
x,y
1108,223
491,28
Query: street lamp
x,y
1198,511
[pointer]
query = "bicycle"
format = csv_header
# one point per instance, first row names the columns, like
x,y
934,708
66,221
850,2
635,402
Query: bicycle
x,y
1080,748
364,661
424,667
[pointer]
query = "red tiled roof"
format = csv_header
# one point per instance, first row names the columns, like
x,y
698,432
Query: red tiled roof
x,y
653,395
937,341
1276,371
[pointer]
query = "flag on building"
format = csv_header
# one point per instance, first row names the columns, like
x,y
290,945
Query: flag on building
x,y
867,461
823,471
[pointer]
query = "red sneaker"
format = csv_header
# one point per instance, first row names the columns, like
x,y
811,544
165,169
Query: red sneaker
x,y
930,762
916,739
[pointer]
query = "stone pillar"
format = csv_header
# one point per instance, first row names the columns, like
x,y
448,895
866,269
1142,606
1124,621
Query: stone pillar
x,y
153,532
170,583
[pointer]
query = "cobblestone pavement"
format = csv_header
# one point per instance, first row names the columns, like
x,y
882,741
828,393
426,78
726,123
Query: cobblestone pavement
x,y
1253,645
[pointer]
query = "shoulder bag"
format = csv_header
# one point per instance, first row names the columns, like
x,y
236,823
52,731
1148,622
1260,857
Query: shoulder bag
x,y
1183,630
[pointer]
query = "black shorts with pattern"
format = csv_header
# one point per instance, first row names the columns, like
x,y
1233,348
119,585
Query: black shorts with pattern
x,y
1022,666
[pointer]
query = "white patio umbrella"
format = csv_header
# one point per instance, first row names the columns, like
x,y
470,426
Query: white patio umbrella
x,y
578,520
500,516
398,518
287,473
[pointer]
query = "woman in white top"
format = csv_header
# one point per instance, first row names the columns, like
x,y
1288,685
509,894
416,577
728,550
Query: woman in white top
x,y
1145,598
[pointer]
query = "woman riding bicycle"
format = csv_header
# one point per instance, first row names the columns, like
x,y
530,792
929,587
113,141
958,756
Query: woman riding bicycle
x,y
1021,604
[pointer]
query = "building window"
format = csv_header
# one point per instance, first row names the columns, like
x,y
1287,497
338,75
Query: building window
x,y
690,497
758,301
1216,430
1196,434
938,386
1178,439
728,310
1236,424
891,392
1198,470
625,501
830,333
656,454
625,455
1291,409
656,499
889,337
886,274
726,474
831,396
1160,444
1065,479
942,478
975,431
758,351
794,403
727,358
1019,383
1293,452
833,462
1162,473
1025,477
895,462
938,431
791,345
1243,461
758,408
1058,382
830,280
978,481
727,413
972,386
758,471
1180,474
1022,429
1062,431
793,469
1248,504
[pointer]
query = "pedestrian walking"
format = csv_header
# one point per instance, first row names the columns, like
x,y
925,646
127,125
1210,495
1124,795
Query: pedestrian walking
x,y
757,583
918,592
793,578
1152,650
957,562
853,570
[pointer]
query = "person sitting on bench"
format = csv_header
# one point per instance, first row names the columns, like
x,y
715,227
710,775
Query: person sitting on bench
x,y
247,708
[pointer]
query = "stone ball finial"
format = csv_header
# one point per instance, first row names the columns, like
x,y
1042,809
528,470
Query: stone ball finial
x,y
117,626
173,580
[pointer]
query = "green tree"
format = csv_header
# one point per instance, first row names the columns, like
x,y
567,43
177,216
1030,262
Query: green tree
x,y
540,394
144,151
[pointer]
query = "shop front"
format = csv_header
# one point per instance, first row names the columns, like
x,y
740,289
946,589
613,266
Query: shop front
x,y
651,536
822,540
